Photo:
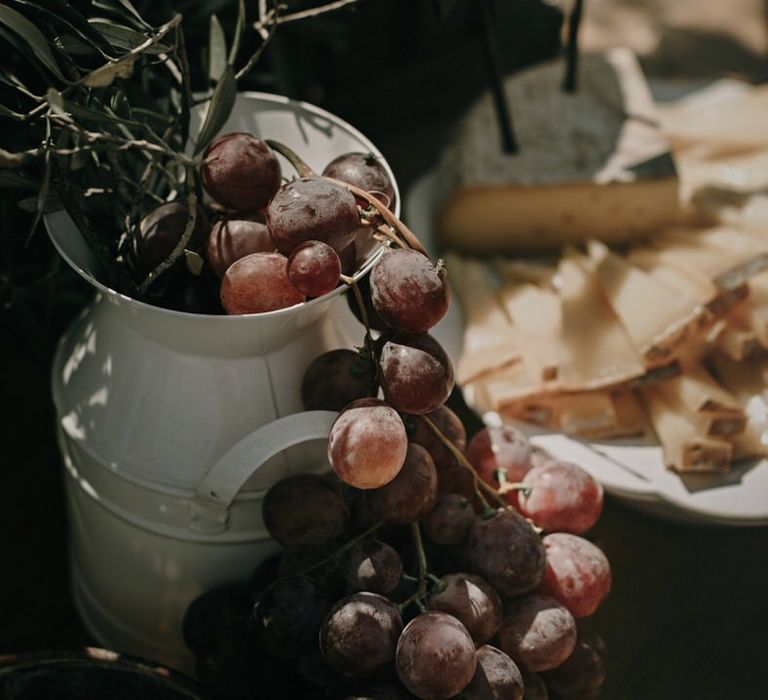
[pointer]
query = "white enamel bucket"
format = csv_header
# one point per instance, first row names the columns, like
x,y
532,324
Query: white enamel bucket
x,y
151,403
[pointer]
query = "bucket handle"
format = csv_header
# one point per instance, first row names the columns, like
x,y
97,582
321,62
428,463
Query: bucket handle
x,y
209,513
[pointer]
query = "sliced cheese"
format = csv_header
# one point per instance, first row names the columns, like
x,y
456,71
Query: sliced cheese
x,y
631,419
490,339
657,317
535,311
697,390
685,449
593,163
595,349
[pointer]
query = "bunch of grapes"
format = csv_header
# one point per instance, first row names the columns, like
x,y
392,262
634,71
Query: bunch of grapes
x,y
420,566
393,584
261,244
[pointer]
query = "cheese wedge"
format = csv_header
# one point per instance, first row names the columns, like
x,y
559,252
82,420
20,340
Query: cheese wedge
x,y
657,317
595,349
590,164
685,449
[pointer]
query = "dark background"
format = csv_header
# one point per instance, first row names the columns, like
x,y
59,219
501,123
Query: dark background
x,y
688,615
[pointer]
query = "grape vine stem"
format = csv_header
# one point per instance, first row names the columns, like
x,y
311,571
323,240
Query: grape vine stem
x,y
343,548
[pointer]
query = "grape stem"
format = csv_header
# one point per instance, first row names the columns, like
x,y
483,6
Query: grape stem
x,y
509,486
305,170
343,548
421,593
480,485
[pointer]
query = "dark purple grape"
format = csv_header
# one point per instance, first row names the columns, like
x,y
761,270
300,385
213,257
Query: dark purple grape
x,y
436,657
506,551
288,615
372,566
314,268
312,209
159,232
240,172
411,494
409,291
472,601
217,619
258,283
366,171
451,427
335,379
232,239
360,634
583,671
305,510
416,375
450,520
537,632
367,444
496,677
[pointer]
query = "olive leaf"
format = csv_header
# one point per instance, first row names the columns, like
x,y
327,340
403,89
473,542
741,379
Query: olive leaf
x,y
33,37
219,109
125,38
238,35
62,13
217,50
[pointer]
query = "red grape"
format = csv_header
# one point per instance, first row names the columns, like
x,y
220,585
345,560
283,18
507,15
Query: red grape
x,y
416,374
366,171
496,677
240,172
563,497
305,510
436,657
314,268
411,494
159,232
312,209
450,520
367,444
578,573
472,601
360,633
257,283
506,551
336,378
537,632
503,448
409,291
232,239
372,566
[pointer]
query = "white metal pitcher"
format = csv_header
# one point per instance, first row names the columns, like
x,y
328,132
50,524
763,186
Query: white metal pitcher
x,y
151,403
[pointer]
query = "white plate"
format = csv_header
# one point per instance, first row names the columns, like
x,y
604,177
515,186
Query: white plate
x,y
633,471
